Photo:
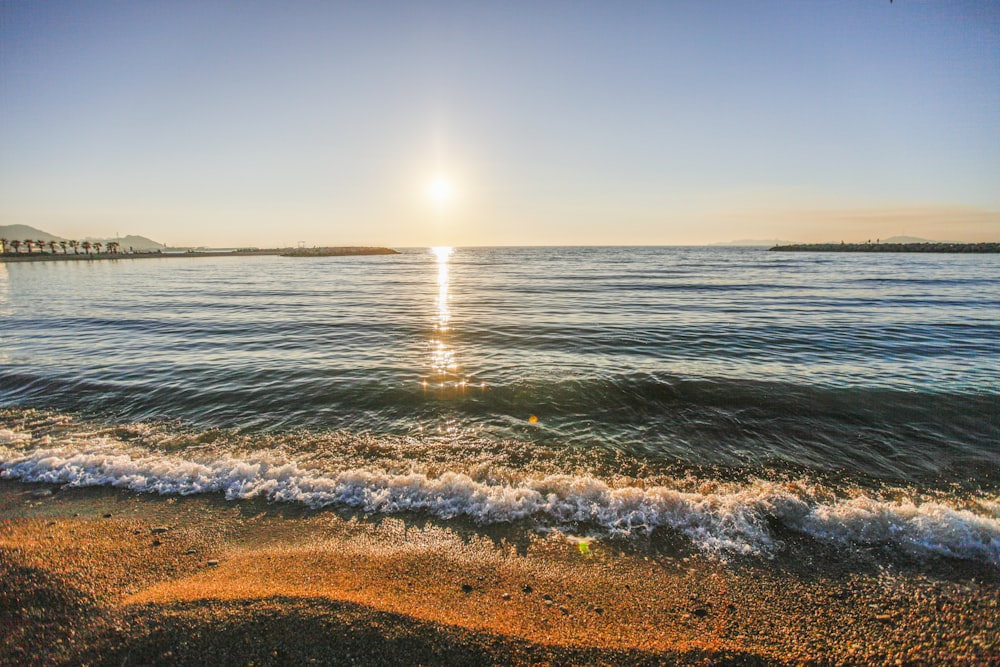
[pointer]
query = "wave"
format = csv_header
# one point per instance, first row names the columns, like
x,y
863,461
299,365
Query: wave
x,y
719,518
894,434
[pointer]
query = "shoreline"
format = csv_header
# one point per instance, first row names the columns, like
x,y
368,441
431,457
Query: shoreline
x,y
347,251
104,576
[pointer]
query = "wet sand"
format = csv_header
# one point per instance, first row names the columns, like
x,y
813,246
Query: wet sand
x,y
102,576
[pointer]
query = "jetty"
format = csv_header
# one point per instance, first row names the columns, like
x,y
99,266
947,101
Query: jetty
x,y
342,251
891,247
337,252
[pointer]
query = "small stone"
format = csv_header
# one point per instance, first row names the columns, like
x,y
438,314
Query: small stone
x,y
598,610
41,493
190,552
547,597
107,516
157,543
466,588
700,612
505,596
212,563
159,529
527,589
564,610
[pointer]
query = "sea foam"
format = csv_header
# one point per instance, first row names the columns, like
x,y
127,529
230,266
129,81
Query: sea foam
x,y
721,519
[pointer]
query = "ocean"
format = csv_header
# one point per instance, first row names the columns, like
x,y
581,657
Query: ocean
x,y
725,396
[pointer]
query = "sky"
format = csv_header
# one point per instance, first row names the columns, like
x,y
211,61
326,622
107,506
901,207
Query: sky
x,y
518,123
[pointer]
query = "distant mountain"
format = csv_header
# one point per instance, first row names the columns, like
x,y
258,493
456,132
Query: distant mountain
x,y
22,232
754,242
132,242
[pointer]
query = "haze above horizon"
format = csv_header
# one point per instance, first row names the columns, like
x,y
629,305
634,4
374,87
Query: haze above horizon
x,y
441,123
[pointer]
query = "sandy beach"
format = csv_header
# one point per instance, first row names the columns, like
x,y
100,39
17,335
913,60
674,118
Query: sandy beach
x,y
103,576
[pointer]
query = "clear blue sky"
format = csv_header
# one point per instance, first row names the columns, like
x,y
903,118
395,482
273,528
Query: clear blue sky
x,y
264,123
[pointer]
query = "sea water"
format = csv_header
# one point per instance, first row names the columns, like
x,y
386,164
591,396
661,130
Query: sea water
x,y
724,394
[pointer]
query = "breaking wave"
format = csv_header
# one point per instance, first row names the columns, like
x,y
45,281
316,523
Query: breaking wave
x,y
721,518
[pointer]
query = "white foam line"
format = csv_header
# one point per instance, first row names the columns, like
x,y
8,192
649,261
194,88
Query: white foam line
x,y
720,522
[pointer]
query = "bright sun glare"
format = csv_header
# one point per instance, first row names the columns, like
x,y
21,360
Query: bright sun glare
x,y
440,190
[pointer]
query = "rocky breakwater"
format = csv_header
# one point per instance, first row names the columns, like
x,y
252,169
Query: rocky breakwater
x,y
337,252
891,247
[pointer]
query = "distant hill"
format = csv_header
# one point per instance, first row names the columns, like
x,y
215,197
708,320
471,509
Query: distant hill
x,y
22,232
132,242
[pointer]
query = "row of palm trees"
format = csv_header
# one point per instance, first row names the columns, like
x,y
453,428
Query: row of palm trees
x,y
15,246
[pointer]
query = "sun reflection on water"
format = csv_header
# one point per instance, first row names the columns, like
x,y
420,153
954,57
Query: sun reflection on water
x,y
443,360
447,375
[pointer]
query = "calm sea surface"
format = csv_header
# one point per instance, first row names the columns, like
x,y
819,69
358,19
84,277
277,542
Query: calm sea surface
x,y
494,371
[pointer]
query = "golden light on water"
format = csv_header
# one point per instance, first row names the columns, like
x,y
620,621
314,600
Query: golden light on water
x,y
443,362
443,254
444,365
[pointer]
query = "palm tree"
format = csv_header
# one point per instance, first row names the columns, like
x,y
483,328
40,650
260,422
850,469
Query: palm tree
x,y
52,246
75,245
3,246
41,245
16,245
113,247
29,243
63,245
86,246
97,247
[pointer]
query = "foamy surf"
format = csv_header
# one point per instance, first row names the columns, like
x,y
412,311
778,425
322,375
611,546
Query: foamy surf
x,y
719,519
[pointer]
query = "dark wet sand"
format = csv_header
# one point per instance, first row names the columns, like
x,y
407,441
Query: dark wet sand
x,y
201,580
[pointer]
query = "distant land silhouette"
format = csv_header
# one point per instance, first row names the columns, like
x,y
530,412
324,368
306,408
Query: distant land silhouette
x,y
135,242
879,247
15,237
777,242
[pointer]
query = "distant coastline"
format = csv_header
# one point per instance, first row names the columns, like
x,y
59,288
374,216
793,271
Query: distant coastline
x,y
891,247
344,251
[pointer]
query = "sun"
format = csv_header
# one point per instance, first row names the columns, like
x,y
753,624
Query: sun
x,y
440,190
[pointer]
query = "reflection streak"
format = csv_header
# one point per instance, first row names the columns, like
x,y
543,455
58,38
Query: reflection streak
x,y
442,355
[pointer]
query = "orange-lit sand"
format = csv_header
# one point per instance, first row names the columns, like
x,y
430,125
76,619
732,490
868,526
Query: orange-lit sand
x,y
175,580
